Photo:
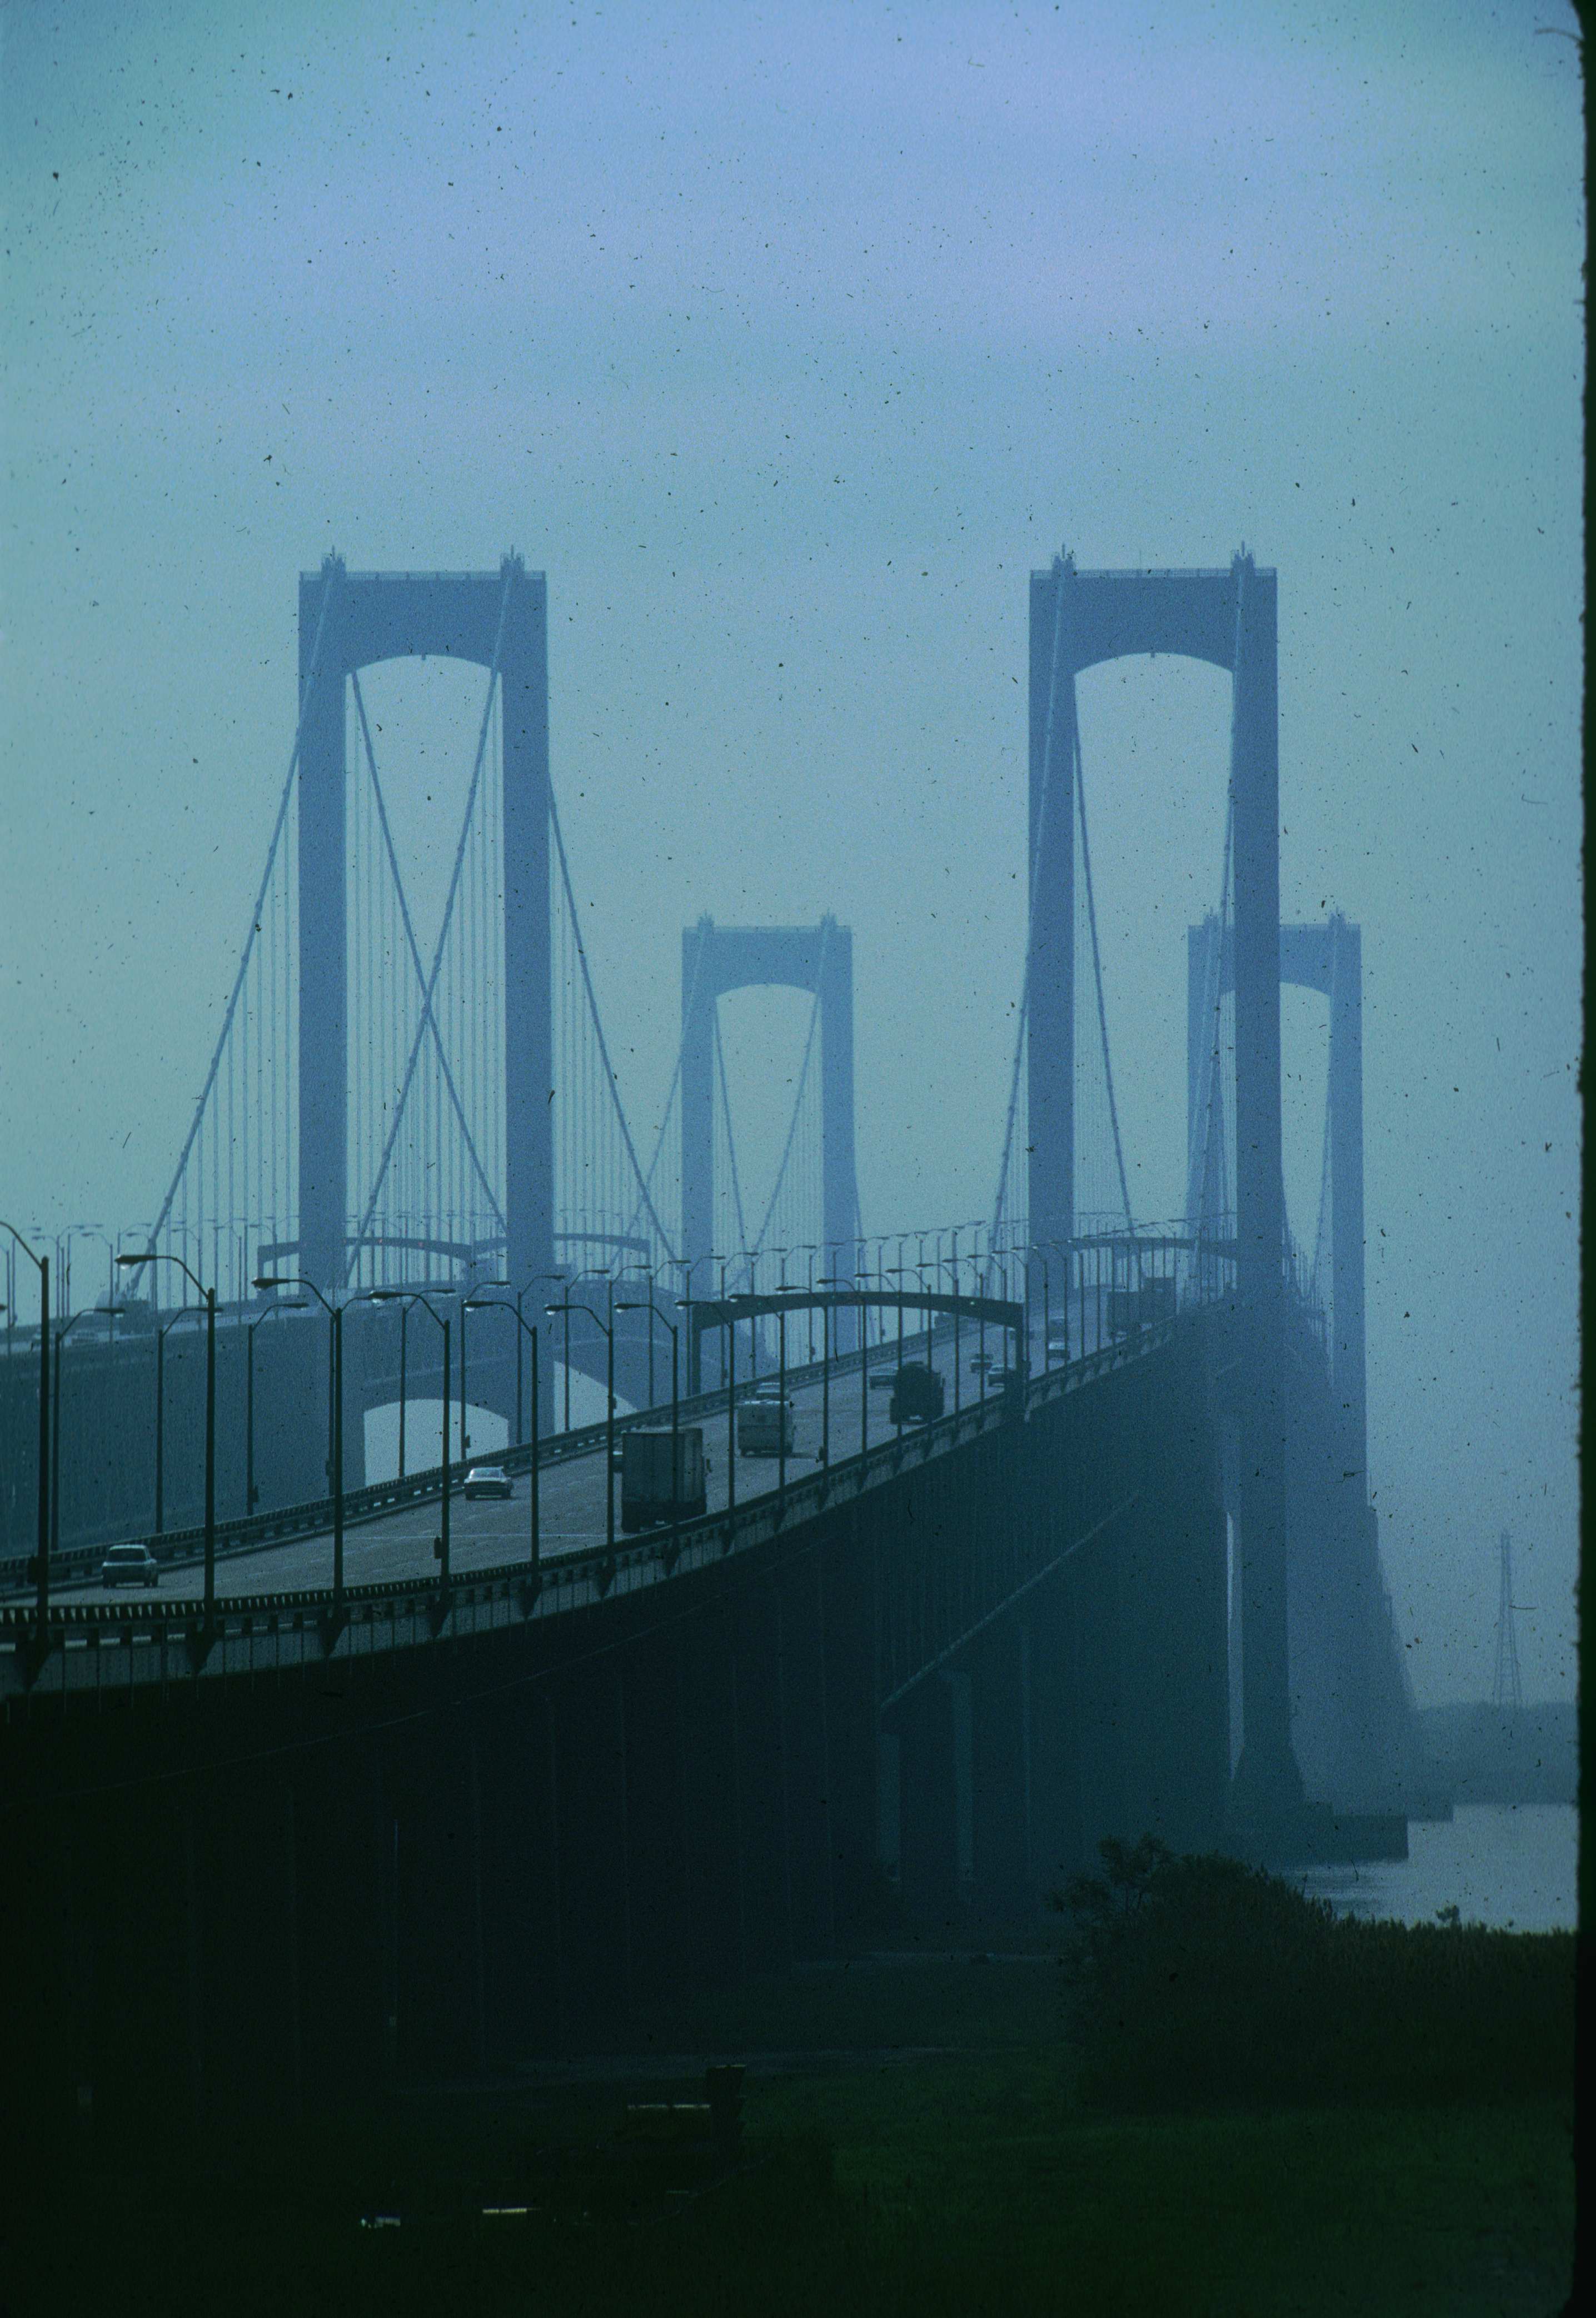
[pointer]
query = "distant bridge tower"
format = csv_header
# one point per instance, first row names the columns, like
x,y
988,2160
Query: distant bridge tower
x,y
1229,618
716,959
348,619
1326,958
1507,1692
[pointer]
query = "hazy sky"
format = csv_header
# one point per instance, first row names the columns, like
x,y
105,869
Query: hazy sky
x,y
787,340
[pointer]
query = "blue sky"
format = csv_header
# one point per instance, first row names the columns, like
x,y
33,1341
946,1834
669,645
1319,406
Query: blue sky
x,y
787,340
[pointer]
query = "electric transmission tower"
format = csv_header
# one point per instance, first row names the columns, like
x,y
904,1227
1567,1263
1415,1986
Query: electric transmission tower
x,y
1509,1694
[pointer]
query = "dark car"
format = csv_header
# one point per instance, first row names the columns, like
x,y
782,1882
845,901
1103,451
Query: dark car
x,y
129,1565
489,1481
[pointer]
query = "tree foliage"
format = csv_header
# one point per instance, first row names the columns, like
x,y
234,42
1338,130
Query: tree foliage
x,y
1195,1980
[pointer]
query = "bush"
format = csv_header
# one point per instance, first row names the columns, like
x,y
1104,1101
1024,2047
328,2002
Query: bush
x,y
1198,1980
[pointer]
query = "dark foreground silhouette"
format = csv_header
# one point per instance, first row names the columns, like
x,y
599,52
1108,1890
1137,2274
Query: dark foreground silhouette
x,y
1217,2099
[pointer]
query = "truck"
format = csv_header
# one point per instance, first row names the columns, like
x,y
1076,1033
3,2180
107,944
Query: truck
x,y
767,1425
646,1493
919,1394
1130,1308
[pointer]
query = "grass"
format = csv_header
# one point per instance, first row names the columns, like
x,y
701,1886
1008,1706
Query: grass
x,y
877,2177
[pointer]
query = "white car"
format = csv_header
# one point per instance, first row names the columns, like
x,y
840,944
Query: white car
x,y
489,1481
129,1565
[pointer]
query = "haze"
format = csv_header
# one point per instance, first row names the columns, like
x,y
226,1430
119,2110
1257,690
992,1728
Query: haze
x,y
787,342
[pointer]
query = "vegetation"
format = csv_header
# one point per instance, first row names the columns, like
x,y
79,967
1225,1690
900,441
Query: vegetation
x,y
1197,1980
923,2138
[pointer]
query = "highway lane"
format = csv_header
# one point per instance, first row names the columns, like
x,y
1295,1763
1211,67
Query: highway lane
x,y
487,1532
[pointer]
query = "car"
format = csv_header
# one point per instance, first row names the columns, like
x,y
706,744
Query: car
x,y
979,1362
129,1565
489,1481
1058,1343
1003,1380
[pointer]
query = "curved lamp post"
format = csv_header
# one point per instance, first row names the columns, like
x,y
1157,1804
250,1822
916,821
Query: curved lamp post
x,y
567,1307
62,1333
406,1297
480,1303
42,1263
250,1491
152,1256
654,1313
335,1313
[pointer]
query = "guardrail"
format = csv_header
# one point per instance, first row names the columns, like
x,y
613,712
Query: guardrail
x,y
269,1631
248,1533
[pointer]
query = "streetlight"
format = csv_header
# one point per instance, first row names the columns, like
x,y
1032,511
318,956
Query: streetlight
x,y
833,1282
899,1272
567,1307
162,1330
479,1303
781,1370
42,1263
150,1255
62,1333
250,1491
654,1313
335,1313
1063,1251
729,1373
1038,1248
406,1297
951,1263
653,1276
526,1289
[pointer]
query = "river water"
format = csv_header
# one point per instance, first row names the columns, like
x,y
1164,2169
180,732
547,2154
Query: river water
x,y
1511,1865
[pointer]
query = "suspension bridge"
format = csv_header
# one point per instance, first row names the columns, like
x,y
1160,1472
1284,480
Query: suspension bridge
x,y
1127,1578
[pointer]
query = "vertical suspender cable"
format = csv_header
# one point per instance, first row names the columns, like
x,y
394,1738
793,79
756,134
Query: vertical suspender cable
x,y
1096,965
1041,812
193,1133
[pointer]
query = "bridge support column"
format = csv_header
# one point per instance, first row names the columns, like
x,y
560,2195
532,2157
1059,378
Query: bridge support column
x,y
1001,1770
1268,1783
1345,1095
1052,1744
935,1790
1050,1028
324,997
661,1897
861,1902
594,1870
806,1759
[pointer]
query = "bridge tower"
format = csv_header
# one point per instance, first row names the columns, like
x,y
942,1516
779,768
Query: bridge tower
x,y
716,959
1228,618
347,620
1327,958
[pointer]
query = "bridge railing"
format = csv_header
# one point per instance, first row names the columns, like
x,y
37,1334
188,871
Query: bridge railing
x,y
252,1634
249,1532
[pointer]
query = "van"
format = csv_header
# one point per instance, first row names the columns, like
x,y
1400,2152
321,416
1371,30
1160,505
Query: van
x,y
766,1426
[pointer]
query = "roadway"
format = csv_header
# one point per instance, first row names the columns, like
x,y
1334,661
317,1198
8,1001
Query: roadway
x,y
487,1532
